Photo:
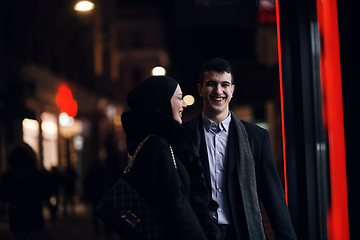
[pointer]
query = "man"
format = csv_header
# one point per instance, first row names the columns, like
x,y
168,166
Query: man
x,y
238,161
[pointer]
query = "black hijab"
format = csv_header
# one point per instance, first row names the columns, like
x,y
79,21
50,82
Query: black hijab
x,y
153,93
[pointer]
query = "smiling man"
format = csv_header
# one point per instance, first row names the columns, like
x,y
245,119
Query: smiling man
x,y
238,162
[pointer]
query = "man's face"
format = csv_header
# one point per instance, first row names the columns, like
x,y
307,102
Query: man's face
x,y
216,92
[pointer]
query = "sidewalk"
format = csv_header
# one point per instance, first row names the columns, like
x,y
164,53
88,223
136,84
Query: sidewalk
x,y
79,227
71,227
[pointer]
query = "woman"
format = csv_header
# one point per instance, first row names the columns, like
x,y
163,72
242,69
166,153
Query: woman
x,y
175,187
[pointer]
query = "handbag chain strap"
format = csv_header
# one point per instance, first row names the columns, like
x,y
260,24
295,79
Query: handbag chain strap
x,y
173,157
132,158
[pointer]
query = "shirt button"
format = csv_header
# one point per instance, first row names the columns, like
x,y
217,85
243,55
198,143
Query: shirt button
x,y
219,209
218,171
220,190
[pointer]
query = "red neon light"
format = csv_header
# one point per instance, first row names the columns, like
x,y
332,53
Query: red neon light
x,y
266,13
66,102
330,71
281,96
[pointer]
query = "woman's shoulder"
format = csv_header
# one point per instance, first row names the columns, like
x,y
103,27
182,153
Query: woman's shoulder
x,y
155,139
155,142
156,150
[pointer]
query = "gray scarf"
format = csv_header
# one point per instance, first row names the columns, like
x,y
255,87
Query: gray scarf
x,y
247,180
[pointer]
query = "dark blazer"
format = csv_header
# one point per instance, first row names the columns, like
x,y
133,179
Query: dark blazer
x,y
270,189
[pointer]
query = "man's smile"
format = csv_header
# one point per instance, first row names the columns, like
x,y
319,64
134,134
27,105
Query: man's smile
x,y
217,99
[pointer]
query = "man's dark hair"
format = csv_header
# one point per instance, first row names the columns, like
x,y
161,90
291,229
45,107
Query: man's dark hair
x,y
215,64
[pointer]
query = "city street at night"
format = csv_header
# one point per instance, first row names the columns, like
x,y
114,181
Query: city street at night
x,y
77,226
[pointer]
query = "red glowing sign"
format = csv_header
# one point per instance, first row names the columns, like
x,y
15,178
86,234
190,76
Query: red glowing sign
x,y
66,102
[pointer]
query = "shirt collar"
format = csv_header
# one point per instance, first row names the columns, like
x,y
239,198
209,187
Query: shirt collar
x,y
224,125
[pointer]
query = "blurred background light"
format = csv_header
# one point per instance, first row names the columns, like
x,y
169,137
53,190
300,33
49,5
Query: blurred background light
x,y
31,134
110,111
158,71
30,124
78,142
66,102
84,6
65,120
49,127
189,100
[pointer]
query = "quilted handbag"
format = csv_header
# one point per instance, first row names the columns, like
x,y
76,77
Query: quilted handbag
x,y
127,212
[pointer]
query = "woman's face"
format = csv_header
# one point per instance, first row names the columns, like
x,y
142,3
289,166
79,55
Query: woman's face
x,y
177,104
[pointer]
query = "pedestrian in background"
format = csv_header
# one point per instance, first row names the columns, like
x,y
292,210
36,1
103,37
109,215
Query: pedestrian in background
x,y
25,189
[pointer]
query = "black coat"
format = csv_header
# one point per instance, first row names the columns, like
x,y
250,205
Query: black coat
x,y
177,190
270,190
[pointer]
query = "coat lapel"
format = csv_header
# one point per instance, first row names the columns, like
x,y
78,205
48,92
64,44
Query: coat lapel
x,y
231,151
197,126
203,155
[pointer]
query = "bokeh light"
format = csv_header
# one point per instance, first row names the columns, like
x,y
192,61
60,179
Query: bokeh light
x,y
84,6
30,124
189,100
65,120
158,71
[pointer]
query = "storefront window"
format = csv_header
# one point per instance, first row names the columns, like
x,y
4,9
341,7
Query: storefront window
x,y
49,140
31,134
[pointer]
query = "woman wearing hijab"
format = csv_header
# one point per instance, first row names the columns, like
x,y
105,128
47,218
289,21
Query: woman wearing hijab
x,y
172,180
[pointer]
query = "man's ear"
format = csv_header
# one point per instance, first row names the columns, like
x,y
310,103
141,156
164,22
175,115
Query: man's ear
x,y
199,88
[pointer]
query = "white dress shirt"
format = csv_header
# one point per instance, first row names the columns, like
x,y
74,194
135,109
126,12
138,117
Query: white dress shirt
x,y
216,138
